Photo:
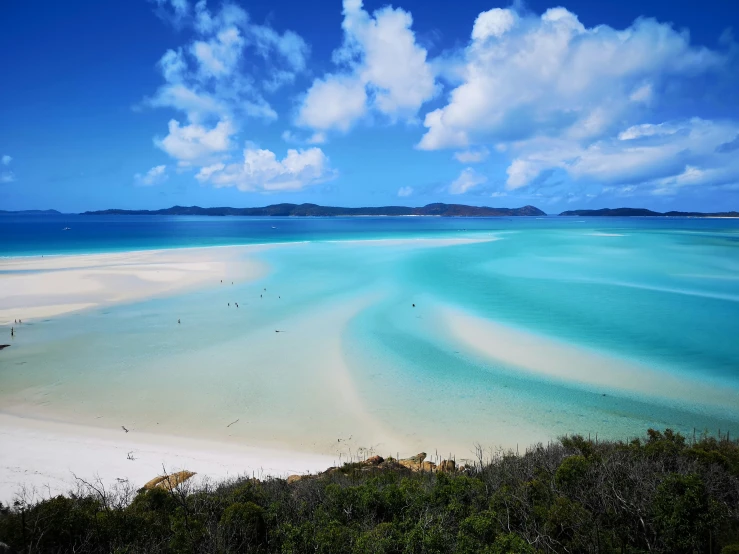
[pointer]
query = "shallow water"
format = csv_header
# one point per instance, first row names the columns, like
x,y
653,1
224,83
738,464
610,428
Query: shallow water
x,y
356,364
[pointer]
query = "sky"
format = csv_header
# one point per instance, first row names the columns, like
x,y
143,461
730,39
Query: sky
x,y
146,104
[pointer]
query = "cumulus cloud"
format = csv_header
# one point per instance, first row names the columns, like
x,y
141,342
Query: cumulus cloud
x,y
195,144
472,156
652,158
335,102
155,176
382,69
405,191
526,76
225,71
467,180
578,107
261,171
217,81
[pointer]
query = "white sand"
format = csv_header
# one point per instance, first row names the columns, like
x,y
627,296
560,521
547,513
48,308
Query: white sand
x,y
46,456
541,355
54,285
288,390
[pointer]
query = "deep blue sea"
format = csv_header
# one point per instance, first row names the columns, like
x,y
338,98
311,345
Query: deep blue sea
x,y
654,298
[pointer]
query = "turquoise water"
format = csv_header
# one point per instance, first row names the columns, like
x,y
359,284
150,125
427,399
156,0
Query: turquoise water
x,y
660,294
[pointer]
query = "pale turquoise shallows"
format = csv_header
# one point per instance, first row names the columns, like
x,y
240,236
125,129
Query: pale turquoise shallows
x,y
658,295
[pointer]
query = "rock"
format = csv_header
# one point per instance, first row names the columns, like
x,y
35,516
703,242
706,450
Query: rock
x,y
447,465
428,466
374,460
168,482
4,346
295,478
414,462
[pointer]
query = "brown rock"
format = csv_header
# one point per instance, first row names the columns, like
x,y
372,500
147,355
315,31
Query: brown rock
x,y
447,465
153,483
374,460
414,462
295,478
428,466
168,482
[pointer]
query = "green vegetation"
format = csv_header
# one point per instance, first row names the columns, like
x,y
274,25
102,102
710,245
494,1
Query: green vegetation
x,y
662,493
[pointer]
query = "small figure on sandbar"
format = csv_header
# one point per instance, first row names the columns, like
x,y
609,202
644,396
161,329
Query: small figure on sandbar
x,y
178,321
12,332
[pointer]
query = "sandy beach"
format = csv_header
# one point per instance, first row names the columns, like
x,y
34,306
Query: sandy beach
x,y
44,457
47,286
73,421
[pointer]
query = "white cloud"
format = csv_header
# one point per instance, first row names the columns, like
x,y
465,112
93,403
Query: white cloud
x,y
220,55
647,130
527,76
196,144
405,191
651,157
493,23
472,156
384,70
261,171
334,103
467,180
6,159
228,66
155,176
218,80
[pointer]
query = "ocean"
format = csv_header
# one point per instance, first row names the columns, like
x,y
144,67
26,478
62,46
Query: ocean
x,y
526,330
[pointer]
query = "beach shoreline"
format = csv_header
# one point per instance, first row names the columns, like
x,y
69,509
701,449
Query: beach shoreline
x,y
47,455
286,377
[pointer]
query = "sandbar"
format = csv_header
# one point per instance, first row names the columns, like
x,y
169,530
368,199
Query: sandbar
x,y
40,287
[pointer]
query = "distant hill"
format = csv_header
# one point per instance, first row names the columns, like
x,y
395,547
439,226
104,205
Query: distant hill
x,y
303,210
31,212
641,212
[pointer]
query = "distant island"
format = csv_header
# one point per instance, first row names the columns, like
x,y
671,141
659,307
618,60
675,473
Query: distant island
x,y
314,210
31,212
641,212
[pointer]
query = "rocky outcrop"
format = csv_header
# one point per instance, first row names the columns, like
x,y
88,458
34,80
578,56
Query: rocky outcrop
x,y
414,462
168,482
417,463
4,346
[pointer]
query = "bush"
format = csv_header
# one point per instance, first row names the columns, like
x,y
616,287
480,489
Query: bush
x,y
659,494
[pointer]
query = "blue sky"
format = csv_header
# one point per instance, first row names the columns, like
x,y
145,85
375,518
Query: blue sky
x,y
147,104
